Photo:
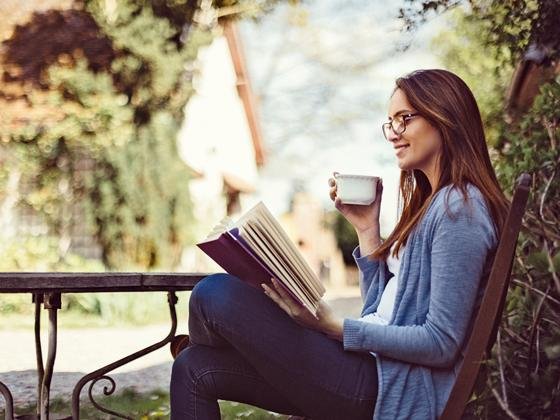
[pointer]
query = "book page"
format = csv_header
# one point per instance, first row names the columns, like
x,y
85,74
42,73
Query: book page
x,y
224,225
296,272
262,248
289,248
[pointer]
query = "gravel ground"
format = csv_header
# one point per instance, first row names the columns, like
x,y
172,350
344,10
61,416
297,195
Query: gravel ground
x,y
85,350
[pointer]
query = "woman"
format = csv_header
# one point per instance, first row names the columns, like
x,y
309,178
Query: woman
x,y
420,287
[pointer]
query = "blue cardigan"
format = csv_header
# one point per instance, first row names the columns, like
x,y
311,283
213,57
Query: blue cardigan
x,y
443,271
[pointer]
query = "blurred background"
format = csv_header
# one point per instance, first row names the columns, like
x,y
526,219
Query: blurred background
x,y
129,128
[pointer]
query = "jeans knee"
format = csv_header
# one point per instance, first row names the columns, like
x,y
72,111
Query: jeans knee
x,y
208,287
211,292
190,368
182,370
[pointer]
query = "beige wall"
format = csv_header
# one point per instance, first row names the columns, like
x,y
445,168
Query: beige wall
x,y
215,139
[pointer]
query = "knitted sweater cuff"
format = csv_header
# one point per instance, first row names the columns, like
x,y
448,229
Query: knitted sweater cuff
x,y
364,263
351,334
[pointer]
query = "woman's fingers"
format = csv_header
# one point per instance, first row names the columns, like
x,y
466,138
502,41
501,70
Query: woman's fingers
x,y
280,290
332,193
271,293
294,307
332,190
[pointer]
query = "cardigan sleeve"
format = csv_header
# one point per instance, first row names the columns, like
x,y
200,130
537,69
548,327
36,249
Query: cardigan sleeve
x,y
461,242
372,277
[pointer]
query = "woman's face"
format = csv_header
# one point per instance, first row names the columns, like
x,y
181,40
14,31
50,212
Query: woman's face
x,y
419,147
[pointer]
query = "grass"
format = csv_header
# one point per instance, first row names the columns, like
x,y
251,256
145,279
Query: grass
x,y
154,405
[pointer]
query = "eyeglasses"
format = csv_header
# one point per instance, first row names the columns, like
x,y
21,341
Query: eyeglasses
x,y
398,124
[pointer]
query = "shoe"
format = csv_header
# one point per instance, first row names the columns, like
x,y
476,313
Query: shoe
x,y
178,344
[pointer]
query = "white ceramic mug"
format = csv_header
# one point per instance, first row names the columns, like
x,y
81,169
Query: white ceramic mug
x,y
356,189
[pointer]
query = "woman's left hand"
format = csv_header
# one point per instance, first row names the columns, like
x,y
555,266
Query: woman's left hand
x,y
325,321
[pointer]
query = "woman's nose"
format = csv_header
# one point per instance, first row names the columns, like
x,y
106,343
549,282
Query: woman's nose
x,y
393,136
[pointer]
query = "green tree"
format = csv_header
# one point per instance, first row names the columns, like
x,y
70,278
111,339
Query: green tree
x,y
509,27
345,234
104,99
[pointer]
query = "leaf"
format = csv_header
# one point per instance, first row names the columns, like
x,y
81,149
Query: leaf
x,y
555,264
553,351
539,260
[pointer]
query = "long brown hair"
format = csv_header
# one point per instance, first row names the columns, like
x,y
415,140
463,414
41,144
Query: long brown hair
x,y
448,104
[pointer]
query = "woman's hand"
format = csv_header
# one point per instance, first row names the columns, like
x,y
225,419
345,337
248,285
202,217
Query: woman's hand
x,y
365,219
325,322
361,217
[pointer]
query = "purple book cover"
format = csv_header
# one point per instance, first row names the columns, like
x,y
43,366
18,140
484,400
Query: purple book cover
x,y
235,256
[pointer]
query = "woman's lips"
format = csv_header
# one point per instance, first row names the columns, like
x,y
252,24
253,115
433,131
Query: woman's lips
x,y
400,148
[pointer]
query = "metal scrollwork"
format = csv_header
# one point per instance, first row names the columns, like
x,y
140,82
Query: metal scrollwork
x,y
101,373
106,391
8,400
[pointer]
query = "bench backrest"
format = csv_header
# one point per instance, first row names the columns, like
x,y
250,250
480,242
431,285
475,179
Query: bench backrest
x,y
487,321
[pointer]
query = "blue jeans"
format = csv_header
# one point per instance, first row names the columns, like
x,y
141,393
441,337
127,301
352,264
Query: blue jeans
x,y
244,348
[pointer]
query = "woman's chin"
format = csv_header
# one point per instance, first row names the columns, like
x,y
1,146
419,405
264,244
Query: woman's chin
x,y
402,165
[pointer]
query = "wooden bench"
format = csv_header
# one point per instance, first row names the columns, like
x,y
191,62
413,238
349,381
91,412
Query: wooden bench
x,y
487,322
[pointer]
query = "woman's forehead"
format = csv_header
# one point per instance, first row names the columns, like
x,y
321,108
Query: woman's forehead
x,y
398,103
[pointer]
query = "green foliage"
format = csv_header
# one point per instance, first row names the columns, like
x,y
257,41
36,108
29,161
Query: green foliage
x,y
37,254
345,234
104,142
42,254
463,52
531,336
509,25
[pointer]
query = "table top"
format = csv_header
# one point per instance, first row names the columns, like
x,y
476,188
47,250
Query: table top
x,y
24,282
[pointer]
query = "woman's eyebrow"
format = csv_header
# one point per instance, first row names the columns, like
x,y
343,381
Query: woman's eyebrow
x,y
402,111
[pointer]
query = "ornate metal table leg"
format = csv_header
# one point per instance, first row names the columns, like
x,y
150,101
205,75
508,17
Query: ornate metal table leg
x,y
100,374
38,300
52,304
8,400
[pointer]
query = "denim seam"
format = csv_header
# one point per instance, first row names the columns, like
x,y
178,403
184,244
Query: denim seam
x,y
199,377
237,372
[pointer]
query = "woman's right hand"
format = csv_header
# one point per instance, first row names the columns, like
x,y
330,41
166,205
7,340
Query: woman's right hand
x,y
364,218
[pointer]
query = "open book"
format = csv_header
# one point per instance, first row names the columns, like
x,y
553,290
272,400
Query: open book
x,y
256,248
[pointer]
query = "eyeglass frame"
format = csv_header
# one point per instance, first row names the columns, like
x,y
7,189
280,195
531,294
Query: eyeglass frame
x,y
404,118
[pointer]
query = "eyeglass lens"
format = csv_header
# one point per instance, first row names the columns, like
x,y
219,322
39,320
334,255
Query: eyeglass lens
x,y
397,124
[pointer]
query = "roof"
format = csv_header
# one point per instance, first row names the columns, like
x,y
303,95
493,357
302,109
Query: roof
x,y
535,68
244,88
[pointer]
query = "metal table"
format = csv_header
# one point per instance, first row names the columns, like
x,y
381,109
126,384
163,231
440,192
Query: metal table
x,y
47,290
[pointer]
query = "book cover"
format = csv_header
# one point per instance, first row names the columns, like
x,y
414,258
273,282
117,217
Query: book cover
x,y
230,253
256,248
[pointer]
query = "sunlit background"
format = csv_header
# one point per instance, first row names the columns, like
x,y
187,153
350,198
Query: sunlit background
x,y
129,128
324,72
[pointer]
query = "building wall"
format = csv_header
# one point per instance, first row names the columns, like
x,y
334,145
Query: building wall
x,y
215,141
